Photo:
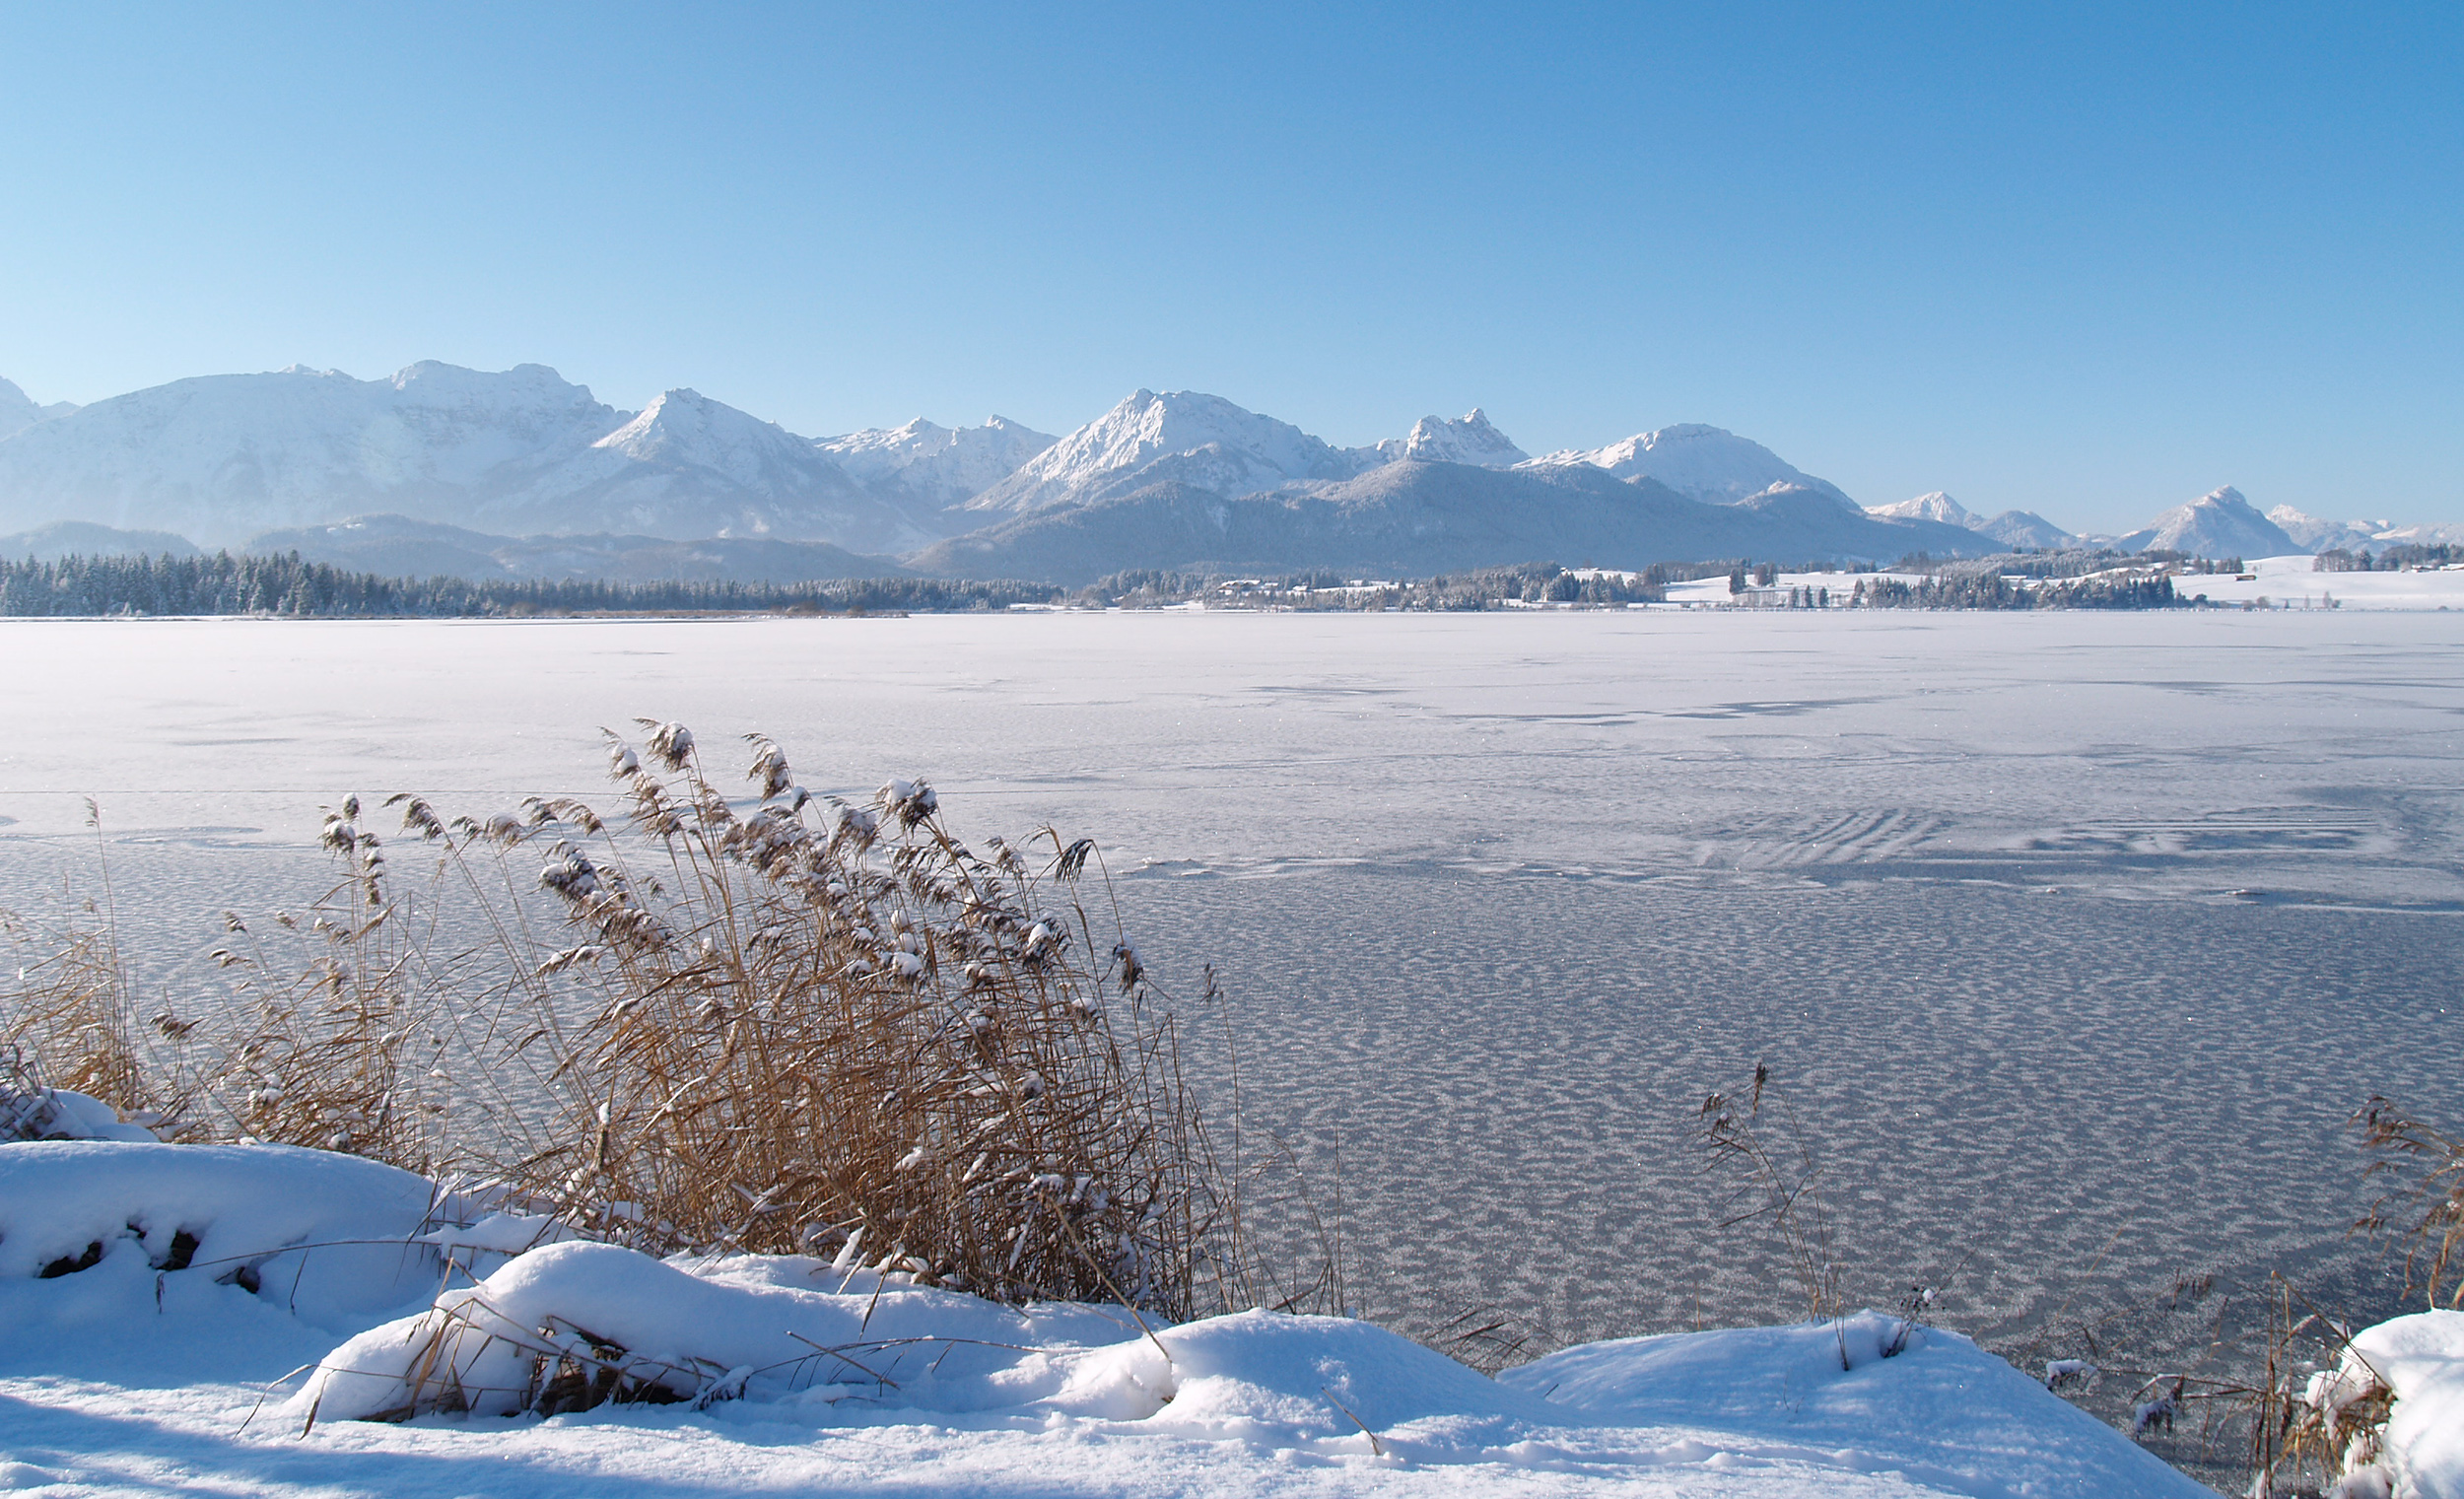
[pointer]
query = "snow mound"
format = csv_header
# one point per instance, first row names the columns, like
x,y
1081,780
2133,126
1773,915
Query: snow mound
x,y
744,1326
2419,1360
1942,1412
56,1114
327,1236
767,1373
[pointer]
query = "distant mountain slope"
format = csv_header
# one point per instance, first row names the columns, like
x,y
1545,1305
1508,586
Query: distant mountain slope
x,y
2313,534
83,538
2218,523
688,466
2317,536
1708,463
1412,520
1181,437
18,410
2021,529
223,458
928,468
400,547
219,457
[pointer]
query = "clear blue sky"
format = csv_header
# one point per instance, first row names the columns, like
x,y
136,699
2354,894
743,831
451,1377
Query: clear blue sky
x,y
2089,261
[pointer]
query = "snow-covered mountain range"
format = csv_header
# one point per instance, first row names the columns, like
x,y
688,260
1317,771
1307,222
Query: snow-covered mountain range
x,y
1701,462
2312,535
492,456
936,467
1180,436
221,458
2012,529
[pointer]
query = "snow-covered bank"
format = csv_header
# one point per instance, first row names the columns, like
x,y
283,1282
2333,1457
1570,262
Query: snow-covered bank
x,y
2418,1363
144,1372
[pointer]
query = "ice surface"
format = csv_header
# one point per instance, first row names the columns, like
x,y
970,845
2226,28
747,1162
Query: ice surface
x,y
2074,938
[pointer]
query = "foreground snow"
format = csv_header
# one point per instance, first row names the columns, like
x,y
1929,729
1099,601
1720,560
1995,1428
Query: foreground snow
x,y
2419,1360
130,1377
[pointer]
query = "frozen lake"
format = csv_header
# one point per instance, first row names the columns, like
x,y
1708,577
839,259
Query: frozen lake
x,y
2075,937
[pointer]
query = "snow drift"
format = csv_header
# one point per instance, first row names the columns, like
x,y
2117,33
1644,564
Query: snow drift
x,y
789,1371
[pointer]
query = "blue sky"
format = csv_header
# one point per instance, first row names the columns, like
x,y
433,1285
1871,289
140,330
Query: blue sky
x,y
2087,260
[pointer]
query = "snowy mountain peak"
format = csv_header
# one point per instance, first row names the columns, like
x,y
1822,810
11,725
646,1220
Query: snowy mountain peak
x,y
1935,506
2218,523
18,410
1186,435
1469,438
686,429
932,465
1701,462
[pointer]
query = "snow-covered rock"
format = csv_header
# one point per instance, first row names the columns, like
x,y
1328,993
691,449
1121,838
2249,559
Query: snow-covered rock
x,y
2218,523
1700,462
937,466
1469,438
1935,506
1181,437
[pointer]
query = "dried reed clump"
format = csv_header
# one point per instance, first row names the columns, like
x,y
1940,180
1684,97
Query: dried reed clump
x,y
68,1021
331,1040
815,1025
2422,1169
769,1023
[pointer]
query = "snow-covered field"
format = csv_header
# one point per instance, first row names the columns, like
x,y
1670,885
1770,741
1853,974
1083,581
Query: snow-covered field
x,y
2292,583
2074,938
2282,582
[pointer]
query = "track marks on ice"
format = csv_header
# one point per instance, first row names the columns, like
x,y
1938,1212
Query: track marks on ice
x,y
1865,836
